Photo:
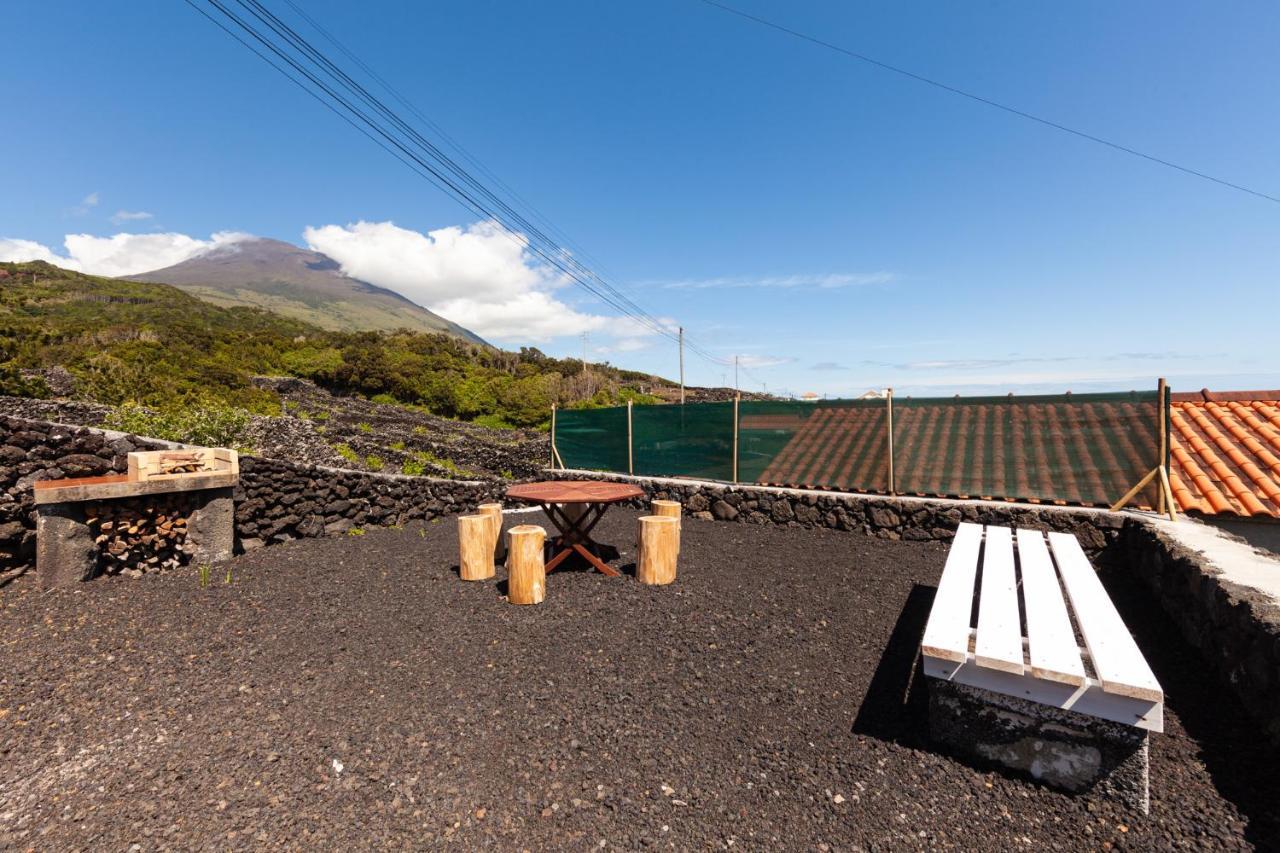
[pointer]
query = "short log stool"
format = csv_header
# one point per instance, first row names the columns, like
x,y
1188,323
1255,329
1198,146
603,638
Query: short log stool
x,y
526,566
494,512
475,547
657,549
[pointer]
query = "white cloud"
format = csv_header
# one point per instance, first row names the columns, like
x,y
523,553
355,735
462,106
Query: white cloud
x,y
120,254
826,281
129,216
762,361
86,204
480,276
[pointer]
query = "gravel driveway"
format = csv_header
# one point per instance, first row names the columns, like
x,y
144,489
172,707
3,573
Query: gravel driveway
x,y
353,692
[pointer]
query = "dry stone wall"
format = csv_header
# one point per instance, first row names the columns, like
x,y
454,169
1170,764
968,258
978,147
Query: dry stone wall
x,y
276,501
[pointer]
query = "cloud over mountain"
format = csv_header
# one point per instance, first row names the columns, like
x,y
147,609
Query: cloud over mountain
x,y
118,255
480,276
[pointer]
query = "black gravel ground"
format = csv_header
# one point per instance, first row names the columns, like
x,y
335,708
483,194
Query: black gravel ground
x,y
354,693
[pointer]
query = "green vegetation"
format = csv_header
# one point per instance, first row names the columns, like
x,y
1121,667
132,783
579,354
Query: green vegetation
x,y
413,467
156,346
494,422
373,463
364,427
14,384
355,531
213,424
423,456
204,571
345,451
396,445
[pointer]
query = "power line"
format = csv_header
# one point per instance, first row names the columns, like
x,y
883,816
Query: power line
x,y
393,134
987,101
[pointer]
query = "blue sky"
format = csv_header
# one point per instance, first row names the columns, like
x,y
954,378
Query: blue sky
x,y
838,226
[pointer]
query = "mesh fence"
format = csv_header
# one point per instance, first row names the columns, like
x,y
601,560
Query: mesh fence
x,y
592,439
1081,448
684,441
839,444
1078,448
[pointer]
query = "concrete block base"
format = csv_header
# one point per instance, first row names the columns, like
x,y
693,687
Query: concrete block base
x,y
212,527
1063,749
65,553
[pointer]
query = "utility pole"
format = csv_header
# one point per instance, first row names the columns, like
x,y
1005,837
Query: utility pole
x,y
586,377
682,365
735,375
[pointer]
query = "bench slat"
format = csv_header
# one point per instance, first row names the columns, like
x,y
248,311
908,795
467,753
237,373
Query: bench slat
x,y
947,633
1050,639
999,643
1116,658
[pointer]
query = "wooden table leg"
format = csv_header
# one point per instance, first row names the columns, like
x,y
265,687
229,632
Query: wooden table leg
x,y
557,560
600,565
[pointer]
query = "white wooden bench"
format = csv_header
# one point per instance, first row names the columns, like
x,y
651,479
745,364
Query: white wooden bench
x,y
1076,718
1109,678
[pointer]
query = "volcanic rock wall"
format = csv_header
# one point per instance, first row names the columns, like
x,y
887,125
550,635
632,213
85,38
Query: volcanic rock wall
x,y
276,501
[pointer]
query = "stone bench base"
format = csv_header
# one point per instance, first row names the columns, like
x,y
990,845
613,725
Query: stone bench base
x,y
1063,749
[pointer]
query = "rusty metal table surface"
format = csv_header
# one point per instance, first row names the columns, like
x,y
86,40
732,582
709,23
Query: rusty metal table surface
x,y
575,528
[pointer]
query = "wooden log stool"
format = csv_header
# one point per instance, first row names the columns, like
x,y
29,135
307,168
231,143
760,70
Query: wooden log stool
x,y
526,566
672,509
475,547
494,513
657,548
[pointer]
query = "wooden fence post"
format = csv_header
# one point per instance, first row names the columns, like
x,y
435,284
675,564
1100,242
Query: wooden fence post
x,y
893,490
736,400
630,443
553,435
1162,392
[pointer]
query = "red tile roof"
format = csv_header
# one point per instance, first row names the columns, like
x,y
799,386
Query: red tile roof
x,y
1226,452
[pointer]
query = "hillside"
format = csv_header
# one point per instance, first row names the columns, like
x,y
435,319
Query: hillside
x,y
301,285
152,344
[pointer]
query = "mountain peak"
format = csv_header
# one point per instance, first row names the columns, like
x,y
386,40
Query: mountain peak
x,y
299,283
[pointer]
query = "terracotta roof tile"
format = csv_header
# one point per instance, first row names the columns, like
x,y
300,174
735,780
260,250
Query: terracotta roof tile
x,y
1226,452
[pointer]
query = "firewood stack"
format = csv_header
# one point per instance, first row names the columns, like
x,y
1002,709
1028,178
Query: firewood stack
x,y
138,535
188,462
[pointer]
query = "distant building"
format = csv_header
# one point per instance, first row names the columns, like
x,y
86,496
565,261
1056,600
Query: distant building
x,y
809,397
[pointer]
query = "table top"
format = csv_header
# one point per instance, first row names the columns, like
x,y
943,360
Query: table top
x,y
574,492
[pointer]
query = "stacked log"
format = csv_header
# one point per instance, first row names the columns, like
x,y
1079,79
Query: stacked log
x,y
138,535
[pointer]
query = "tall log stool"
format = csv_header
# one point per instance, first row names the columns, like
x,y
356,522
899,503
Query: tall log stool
x,y
672,509
526,566
475,547
494,512
657,547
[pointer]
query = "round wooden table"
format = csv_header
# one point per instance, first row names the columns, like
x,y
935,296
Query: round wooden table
x,y
588,500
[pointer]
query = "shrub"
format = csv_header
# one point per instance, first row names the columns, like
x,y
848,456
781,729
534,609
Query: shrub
x,y
213,424
345,451
494,422
397,445
413,467
373,463
364,427
14,384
